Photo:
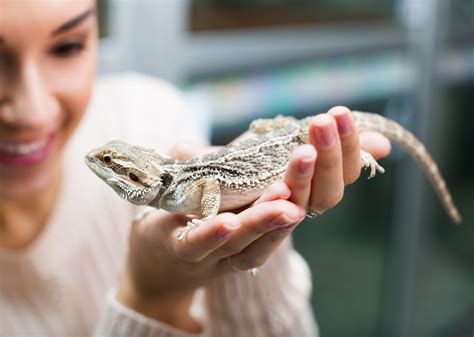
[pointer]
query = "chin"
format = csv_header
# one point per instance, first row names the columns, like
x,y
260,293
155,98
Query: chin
x,y
26,187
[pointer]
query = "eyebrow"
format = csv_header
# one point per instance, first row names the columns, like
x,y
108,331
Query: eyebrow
x,y
72,23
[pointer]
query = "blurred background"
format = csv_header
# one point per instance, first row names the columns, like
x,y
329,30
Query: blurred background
x,y
386,262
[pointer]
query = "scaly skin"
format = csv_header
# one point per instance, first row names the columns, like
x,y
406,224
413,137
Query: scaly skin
x,y
237,174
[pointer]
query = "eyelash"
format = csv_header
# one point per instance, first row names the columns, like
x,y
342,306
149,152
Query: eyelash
x,y
68,49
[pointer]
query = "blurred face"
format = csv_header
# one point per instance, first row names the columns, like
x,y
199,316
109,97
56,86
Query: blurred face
x,y
47,69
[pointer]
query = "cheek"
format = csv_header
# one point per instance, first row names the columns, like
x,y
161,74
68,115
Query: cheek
x,y
73,92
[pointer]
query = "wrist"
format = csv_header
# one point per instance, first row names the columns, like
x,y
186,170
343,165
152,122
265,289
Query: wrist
x,y
172,309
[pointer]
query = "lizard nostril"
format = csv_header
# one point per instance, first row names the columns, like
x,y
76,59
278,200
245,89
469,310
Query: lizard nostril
x,y
90,157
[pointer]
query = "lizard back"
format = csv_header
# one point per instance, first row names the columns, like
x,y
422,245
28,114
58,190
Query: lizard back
x,y
244,169
255,163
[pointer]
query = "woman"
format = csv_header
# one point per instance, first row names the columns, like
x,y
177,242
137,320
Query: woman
x,y
63,233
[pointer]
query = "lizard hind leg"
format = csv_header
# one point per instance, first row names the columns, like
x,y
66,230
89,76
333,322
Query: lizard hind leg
x,y
368,161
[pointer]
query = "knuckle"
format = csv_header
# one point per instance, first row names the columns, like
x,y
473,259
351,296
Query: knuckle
x,y
279,221
279,215
225,218
221,231
329,161
278,190
296,179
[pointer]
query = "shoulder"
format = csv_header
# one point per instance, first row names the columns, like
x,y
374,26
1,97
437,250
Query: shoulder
x,y
144,110
136,95
136,86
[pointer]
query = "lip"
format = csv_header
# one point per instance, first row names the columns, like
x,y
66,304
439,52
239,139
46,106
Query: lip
x,y
30,159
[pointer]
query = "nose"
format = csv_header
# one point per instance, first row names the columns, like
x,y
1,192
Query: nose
x,y
29,102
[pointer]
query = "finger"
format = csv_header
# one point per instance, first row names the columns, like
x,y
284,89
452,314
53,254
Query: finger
x,y
299,174
183,151
278,190
258,220
375,143
157,225
349,138
206,238
258,252
328,183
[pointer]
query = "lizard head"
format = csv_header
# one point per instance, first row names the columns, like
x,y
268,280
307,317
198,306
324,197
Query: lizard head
x,y
135,173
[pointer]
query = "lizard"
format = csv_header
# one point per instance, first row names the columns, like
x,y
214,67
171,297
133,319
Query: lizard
x,y
237,174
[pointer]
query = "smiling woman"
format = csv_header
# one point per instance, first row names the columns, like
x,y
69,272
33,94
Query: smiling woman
x,y
63,234
42,105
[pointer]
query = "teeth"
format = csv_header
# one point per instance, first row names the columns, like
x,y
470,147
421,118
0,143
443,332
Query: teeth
x,y
23,148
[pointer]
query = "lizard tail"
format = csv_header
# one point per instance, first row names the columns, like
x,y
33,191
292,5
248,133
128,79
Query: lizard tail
x,y
408,142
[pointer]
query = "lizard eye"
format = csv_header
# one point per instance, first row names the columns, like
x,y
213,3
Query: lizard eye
x,y
133,177
107,159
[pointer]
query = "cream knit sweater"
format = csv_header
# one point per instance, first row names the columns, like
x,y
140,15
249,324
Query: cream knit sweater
x,y
62,285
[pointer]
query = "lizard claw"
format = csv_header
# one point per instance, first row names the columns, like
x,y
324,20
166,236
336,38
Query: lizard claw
x,y
368,161
194,223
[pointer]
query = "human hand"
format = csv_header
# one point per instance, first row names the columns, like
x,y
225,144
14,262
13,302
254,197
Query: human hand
x,y
162,272
318,171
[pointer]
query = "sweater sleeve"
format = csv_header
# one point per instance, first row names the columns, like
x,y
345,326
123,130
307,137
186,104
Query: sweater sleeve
x,y
273,303
119,321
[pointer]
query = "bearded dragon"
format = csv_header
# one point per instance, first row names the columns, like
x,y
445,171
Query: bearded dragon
x,y
237,174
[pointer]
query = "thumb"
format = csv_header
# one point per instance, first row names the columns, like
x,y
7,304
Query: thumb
x,y
375,143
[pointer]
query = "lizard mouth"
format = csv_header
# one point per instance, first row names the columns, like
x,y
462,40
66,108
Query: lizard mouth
x,y
93,163
104,173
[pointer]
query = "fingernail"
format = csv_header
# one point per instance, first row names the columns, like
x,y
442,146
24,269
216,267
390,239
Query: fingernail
x,y
280,220
302,214
344,124
324,132
306,166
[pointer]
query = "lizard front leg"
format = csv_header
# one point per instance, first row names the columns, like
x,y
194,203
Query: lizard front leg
x,y
210,203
